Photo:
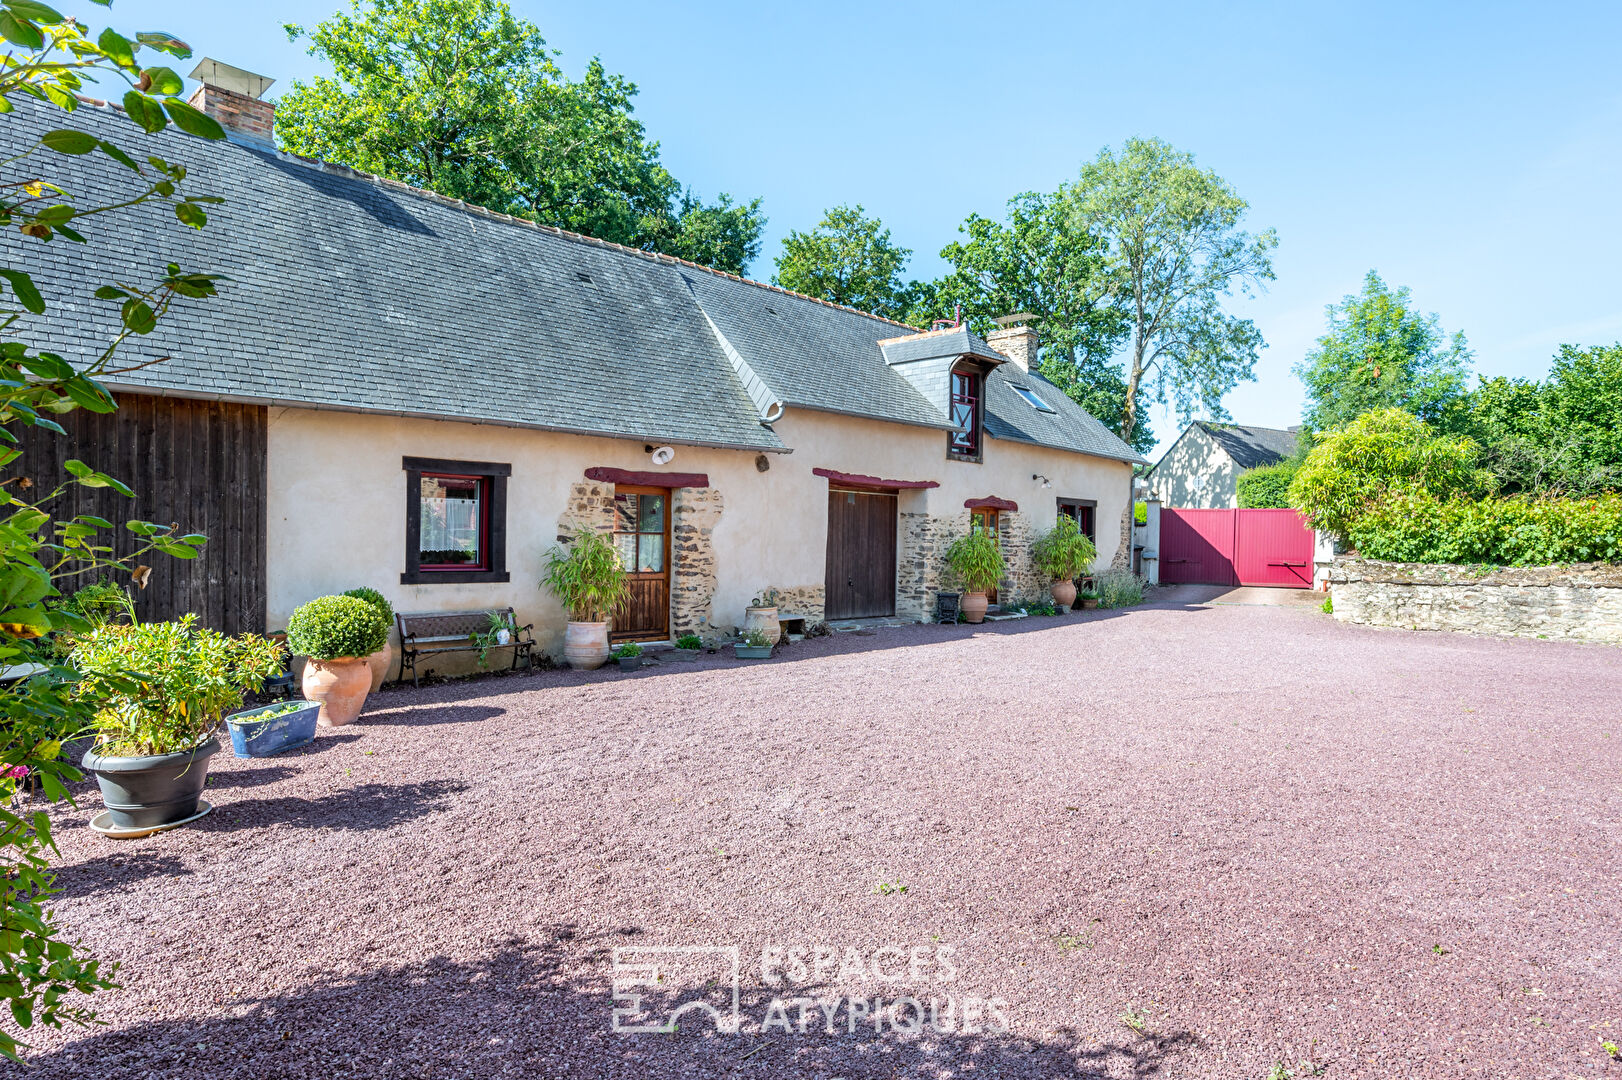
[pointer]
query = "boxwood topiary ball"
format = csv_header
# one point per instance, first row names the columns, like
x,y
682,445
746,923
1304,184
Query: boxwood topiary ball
x,y
335,626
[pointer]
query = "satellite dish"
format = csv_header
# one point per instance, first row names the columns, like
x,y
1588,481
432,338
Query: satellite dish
x,y
664,455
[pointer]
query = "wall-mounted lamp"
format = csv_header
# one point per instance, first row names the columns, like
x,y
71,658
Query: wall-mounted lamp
x,y
1045,481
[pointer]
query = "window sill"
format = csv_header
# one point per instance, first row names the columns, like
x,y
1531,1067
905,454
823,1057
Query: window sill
x,y
452,577
972,459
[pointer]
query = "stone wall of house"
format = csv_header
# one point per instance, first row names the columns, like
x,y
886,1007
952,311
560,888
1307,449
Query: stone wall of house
x,y
1022,581
921,542
591,506
1581,603
810,601
692,562
1123,550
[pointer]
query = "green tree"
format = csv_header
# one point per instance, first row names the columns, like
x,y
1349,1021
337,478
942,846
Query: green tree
x,y
1560,436
847,259
1352,469
1380,353
1175,250
1038,262
50,59
462,98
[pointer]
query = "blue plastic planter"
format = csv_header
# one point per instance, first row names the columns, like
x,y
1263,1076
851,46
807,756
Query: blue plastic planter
x,y
251,737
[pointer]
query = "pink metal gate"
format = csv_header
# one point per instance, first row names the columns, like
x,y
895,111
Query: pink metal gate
x,y
1235,547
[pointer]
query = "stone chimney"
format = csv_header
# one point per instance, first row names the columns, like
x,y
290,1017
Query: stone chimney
x,y
1015,339
234,98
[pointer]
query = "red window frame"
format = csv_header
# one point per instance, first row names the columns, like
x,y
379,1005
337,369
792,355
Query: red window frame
x,y
967,390
483,486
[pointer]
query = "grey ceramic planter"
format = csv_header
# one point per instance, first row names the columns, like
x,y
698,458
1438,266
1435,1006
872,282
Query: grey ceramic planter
x,y
141,792
753,652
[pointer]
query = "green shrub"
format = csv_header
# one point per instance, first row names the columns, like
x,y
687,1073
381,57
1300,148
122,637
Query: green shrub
x,y
1063,552
1266,487
1418,527
377,600
1119,588
976,562
1352,468
629,651
333,626
689,641
162,688
756,639
1140,512
587,578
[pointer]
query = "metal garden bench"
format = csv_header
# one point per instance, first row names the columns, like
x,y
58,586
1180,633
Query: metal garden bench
x,y
425,634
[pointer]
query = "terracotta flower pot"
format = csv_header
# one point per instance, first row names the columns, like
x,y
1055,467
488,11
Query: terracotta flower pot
x,y
379,663
763,619
585,645
974,605
1064,593
340,685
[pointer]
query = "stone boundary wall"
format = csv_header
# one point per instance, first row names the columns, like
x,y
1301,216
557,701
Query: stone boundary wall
x,y
1582,602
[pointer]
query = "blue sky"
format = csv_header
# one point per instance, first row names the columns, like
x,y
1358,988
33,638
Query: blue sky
x,y
1470,151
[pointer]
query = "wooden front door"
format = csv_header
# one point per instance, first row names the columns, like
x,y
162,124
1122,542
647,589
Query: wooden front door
x,y
642,535
861,554
984,519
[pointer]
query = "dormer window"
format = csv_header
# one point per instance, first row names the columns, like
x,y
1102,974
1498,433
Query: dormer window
x,y
967,410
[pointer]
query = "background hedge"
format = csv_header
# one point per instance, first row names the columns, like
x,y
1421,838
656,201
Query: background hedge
x,y
1416,526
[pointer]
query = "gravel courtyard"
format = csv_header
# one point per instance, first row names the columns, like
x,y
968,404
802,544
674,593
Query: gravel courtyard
x,y
1186,841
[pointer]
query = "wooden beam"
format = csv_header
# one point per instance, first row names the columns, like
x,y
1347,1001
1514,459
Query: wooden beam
x,y
606,475
873,481
991,502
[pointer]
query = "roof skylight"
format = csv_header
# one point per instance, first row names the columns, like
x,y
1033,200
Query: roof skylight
x,y
1031,398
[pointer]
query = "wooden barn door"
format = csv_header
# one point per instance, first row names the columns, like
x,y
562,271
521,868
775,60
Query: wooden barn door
x,y
861,554
642,535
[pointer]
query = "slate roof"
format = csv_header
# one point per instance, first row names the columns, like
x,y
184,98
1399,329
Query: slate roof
x,y
1251,447
357,293
1069,426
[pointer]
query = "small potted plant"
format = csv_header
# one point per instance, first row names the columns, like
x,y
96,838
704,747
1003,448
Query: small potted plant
x,y
762,615
160,690
976,561
271,729
754,645
1088,599
1063,554
589,580
335,635
629,656
688,646
378,663
498,630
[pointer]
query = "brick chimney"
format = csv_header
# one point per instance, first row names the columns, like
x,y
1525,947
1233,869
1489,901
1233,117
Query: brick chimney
x,y
1015,339
235,98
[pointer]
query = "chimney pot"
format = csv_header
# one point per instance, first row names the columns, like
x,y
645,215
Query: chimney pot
x,y
234,97
1015,339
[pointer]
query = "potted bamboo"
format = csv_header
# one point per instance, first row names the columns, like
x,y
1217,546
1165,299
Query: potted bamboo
x,y
976,561
160,690
589,580
379,662
335,635
1063,554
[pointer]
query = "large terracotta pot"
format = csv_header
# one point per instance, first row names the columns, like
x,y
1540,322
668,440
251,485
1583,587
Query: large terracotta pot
x,y
340,685
379,664
974,605
1064,593
763,619
585,645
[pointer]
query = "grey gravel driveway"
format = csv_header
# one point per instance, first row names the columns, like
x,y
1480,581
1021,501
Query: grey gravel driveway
x,y
1188,841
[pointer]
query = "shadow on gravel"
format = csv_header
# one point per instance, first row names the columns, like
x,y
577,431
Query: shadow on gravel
x,y
115,871
362,807
437,714
525,1010
255,777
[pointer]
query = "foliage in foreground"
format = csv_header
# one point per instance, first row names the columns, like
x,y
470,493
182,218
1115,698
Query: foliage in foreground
x,y
1416,526
49,59
1385,451
163,688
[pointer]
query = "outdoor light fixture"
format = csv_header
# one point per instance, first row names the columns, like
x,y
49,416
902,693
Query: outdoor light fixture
x,y
1045,481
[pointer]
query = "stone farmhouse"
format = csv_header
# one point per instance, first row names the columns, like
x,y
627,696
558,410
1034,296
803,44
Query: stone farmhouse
x,y
400,390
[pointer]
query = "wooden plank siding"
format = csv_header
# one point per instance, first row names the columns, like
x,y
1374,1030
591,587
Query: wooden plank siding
x,y
198,464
